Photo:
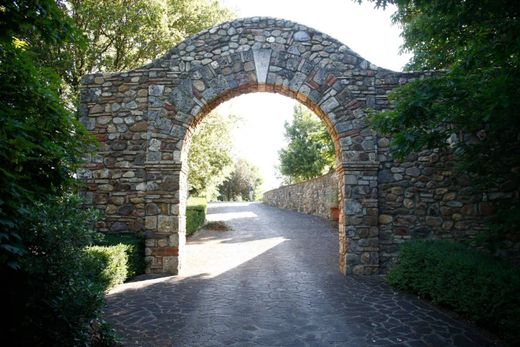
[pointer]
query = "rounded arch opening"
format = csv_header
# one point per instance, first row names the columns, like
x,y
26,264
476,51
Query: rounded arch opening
x,y
228,95
145,117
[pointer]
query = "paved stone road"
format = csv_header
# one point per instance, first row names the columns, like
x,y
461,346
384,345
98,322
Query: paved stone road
x,y
272,281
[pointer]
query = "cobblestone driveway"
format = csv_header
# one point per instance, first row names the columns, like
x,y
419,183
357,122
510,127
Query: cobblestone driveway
x,y
273,281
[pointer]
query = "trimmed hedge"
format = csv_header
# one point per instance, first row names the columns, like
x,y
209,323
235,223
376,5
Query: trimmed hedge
x,y
106,265
479,287
195,214
134,248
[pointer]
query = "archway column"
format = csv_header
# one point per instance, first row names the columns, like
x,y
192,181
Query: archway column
x,y
359,230
165,226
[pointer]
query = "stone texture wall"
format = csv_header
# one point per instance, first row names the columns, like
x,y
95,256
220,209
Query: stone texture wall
x,y
144,120
314,196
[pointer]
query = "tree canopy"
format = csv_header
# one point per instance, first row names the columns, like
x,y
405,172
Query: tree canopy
x,y
310,151
475,100
122,35
40,141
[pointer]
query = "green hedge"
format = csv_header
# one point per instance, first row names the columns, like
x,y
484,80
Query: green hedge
x,y
479,287
195,214
134,248
106,265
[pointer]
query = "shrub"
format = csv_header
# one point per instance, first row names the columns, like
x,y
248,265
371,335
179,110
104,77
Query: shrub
x,y
195,214
134,248
475,285
106,265
49,300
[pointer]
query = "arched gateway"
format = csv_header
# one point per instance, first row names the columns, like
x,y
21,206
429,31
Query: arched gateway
x,y
144,119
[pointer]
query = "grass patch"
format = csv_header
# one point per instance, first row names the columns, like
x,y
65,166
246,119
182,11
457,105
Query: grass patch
x,y
195,214
479,287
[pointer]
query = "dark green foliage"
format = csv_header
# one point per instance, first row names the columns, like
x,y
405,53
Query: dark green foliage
x,y
50,295
106,265
474,101
195,214
310,152
40,141
470,283
48,299
134,248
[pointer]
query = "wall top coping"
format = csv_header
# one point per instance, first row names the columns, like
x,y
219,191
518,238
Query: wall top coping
x,y
359,165
304,182
301,33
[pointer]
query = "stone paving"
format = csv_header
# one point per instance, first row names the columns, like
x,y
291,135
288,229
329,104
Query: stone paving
x,y
273,281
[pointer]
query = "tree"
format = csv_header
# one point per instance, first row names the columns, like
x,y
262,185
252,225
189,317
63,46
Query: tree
x,y
310,152
42,226
127,34
243,184
209,158
40,141
471,106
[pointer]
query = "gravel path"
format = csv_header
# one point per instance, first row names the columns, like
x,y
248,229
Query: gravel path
x,y
273,281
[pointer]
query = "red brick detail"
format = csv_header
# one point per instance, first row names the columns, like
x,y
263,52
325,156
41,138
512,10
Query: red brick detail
x,y
165,251
354,104
353,132
101,137
330,80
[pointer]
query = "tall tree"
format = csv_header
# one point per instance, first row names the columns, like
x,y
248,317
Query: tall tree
x,y
310,152
472,106
209,158
40,141
125,34
42,228
243,184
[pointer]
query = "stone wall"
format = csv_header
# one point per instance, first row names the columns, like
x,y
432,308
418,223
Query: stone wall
x,y
144,120
314,196
425,197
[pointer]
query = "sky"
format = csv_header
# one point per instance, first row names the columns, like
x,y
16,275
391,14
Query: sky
x,y
367,31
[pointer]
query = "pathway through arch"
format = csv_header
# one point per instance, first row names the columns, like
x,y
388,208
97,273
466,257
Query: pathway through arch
x,y
271,281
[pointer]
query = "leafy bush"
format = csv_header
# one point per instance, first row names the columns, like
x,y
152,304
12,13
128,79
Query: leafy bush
x,y
134,248
195,214
106,265
49,299
475,285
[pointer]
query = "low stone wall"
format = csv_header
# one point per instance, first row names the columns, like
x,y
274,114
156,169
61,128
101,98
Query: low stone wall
x,y
309,197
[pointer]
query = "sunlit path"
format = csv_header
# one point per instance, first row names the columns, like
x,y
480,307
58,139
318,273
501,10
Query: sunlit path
x,y
273,281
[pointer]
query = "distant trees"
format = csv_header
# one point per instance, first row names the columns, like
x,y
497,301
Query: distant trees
x,y
209,159
310,152
243,183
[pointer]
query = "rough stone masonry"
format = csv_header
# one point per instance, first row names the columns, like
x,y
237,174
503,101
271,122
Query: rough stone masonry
x,y
144,120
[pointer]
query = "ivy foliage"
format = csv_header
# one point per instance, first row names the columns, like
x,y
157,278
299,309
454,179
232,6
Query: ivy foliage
x,y
471,103
310,150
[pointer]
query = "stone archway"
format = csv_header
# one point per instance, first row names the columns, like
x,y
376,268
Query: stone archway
x,y
144,119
